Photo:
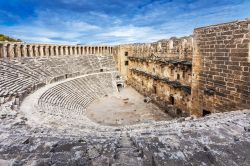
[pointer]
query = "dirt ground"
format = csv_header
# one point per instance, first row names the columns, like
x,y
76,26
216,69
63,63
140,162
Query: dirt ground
x,y
124,108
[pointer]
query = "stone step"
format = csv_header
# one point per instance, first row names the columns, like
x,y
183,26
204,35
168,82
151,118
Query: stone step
x,y
127,153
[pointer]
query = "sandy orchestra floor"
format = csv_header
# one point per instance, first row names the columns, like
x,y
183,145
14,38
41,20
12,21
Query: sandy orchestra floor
x,y
124,108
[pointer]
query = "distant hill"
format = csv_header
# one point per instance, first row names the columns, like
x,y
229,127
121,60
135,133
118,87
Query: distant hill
x,y
7,38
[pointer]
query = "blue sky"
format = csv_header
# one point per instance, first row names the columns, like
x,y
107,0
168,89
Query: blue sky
x,y
113,21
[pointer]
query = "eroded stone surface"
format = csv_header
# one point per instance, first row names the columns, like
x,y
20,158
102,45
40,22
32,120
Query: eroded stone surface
x,y
205,141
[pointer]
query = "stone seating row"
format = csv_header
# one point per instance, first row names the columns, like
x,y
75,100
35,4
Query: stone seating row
x,y
19,76
71,98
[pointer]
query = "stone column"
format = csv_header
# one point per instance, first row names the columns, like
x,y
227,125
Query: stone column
x,y
75,48
65,50
31,50
47,48
4,51
96,50
61,50
23,50
10,49
16,50
36,50
79,50
1,51
19,50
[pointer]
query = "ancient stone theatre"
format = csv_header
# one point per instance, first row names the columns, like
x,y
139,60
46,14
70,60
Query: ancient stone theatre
x,y
173,101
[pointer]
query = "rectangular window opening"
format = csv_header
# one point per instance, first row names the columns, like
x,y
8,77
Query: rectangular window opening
x,y
126,63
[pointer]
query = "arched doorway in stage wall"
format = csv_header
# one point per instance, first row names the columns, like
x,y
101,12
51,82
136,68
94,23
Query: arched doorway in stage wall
x,y
171,99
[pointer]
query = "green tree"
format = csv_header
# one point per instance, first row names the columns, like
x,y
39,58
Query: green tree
x,y
7,38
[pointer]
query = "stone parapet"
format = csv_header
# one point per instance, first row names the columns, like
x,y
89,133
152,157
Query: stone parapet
x,y
12,50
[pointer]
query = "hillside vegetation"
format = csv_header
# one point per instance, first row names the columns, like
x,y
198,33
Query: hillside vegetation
x,y
7,38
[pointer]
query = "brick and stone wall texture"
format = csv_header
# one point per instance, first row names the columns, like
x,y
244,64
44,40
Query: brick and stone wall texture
x,y
221,68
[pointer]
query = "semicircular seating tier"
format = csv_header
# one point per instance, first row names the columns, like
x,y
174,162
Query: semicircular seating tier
x,y
21,76
71,98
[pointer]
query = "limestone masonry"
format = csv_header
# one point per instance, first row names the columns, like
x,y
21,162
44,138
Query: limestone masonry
x,y
177,101
205,73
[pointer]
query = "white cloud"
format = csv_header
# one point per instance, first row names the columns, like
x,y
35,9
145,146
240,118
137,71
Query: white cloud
x,y
154,21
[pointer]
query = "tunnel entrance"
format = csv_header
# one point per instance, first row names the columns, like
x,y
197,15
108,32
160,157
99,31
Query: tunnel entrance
x,y
119,87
